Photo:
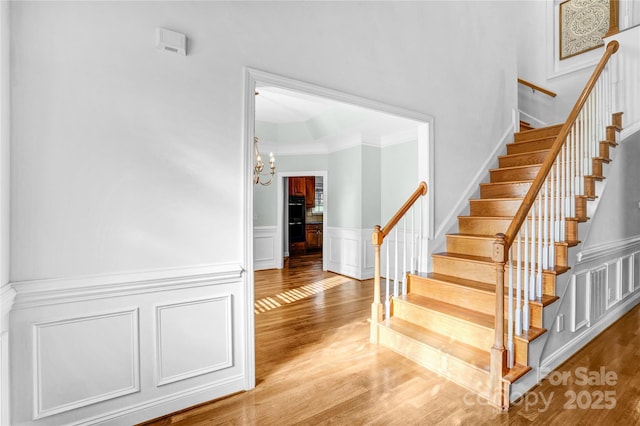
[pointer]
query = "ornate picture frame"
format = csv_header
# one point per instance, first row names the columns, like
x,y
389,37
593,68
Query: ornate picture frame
x,y
583,24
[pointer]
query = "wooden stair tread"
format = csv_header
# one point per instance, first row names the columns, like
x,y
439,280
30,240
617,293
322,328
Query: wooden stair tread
x,y
471,355
506,183
516,372
545,300
520,167
456,311
475,236
486,217
525,153
474,317
479,259
475,285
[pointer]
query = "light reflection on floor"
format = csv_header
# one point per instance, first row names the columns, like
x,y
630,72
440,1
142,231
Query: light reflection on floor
x,y
268,303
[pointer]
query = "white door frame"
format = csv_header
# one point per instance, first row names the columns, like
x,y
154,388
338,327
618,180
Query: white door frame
x,y
425,172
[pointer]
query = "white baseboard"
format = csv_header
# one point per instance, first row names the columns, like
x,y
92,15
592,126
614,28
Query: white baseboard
x,y
159,407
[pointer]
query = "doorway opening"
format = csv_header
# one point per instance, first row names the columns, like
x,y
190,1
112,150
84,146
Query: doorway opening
x,y
315,132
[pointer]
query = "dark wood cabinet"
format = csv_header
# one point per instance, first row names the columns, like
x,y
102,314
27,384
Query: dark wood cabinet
x,y
304,186
314,236
310,191
297,186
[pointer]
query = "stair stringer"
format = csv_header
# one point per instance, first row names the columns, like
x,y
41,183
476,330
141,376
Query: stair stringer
x,y
539,368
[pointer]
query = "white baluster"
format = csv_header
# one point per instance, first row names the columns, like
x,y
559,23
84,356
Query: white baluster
x,y
404,255
553,232
545,221
510,311
525,308
540,221
413,240
519,285
533,256
395,280
387,290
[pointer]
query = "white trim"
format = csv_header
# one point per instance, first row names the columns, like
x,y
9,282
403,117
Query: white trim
x,y
607,249
38,411
247,327
65,290
483,171
575,326
312,89
169,403
532,120
7,298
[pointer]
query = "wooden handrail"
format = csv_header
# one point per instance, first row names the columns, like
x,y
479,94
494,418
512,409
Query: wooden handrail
x,y
377,238
529,199
537,88
419,192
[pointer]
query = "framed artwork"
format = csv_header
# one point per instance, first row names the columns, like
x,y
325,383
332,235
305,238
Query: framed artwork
x,y
583,24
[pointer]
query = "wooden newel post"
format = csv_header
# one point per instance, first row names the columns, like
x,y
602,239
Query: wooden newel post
x,y
376,306
499,395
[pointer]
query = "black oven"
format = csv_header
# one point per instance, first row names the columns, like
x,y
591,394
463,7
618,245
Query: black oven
x,y
296,219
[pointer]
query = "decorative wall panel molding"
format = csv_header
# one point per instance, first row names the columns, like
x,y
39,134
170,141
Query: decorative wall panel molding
x,y
67,290
265,248
201,328
350,252
84,360
579,301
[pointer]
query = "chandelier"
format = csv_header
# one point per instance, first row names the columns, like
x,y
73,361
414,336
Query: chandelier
x,y
258,168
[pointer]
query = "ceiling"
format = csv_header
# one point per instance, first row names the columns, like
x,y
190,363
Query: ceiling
x,y
291,122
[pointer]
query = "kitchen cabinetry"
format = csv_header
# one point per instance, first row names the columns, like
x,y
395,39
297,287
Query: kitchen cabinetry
x,y
310,191
314,236
297,186
304,186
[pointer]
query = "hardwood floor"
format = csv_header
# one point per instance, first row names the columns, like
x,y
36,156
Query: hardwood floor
x,y
314,365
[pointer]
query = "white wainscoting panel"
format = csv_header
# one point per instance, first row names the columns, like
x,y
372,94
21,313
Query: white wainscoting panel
x,y
265,255
636,270
350,252
626,275
82,361
579,301
124,348
200,328
613,283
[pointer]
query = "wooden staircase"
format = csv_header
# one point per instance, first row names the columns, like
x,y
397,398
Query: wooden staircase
x,y
445,322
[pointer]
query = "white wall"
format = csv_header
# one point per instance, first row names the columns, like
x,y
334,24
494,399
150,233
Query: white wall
x,y
399,172
6,293
144,137
538,63
127,172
